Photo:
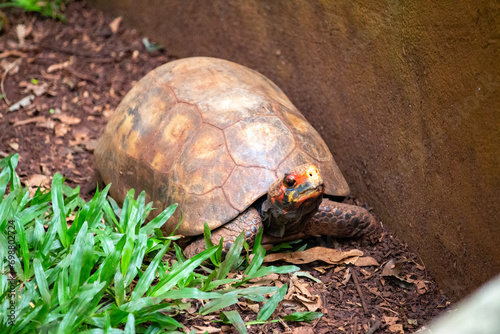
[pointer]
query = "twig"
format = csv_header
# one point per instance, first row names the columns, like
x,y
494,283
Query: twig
x,y
80,75
355,326
363,302
11,66
375,327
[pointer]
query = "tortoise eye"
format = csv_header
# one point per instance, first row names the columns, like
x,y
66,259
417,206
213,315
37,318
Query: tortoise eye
x,y
289,180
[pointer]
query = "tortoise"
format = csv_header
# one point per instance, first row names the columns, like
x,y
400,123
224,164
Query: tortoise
x,y
227,145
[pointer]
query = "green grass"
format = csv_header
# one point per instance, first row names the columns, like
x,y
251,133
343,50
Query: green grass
x,y
91,267
49,8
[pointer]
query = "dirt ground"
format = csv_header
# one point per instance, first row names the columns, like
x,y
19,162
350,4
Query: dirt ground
x,y
61,82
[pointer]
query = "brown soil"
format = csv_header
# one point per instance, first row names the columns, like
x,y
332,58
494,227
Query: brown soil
x,y
79,72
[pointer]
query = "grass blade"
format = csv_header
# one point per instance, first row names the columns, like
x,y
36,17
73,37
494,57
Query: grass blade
x,y
80,308
217,304
77,260
235,319
87,258
182,272
159,220
58,208
269,307
130,326
232,257
23,243
147,278
303,316
41,281
192,293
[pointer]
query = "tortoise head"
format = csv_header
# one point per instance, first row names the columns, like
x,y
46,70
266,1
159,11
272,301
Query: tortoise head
x,y
292,200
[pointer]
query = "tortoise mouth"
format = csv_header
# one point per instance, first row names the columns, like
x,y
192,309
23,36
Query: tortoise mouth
x,y
309,193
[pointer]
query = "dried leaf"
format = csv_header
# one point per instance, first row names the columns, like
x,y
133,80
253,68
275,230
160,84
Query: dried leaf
x,y
392,268
366,261
10,53
68,119
60,129
36,180
413,322
300,287
347,276
390,320
206,329
37,120
48,124
22,32
24,102
14,146
12,67
37,89
328,255
303,330
396,328
421,286
60,66
115,24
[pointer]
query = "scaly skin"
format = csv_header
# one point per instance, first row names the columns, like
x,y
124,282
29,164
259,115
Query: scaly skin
x,y
337,220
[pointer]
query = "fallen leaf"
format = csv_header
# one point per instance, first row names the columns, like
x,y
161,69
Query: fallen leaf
x,y
36,180
12,67
60,66
68,119
60,129
37,89
347,276
10,53
115,24
392,268
365,261
298,292
396,328
303,330
24,102
390,320
421,286
328,255
22,32
413,322
14,146
300,287
48,124
312,304
206,329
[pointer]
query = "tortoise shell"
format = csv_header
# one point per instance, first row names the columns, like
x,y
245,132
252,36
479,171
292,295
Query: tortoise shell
x,y
210,135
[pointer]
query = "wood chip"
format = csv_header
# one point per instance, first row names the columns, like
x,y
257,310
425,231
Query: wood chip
x,y
115,24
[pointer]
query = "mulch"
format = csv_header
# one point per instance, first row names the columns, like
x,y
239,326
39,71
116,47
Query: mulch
x,y
72,75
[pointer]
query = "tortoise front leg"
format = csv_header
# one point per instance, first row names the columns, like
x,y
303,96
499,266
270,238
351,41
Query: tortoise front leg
x,y
333,219
248,221
342,221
